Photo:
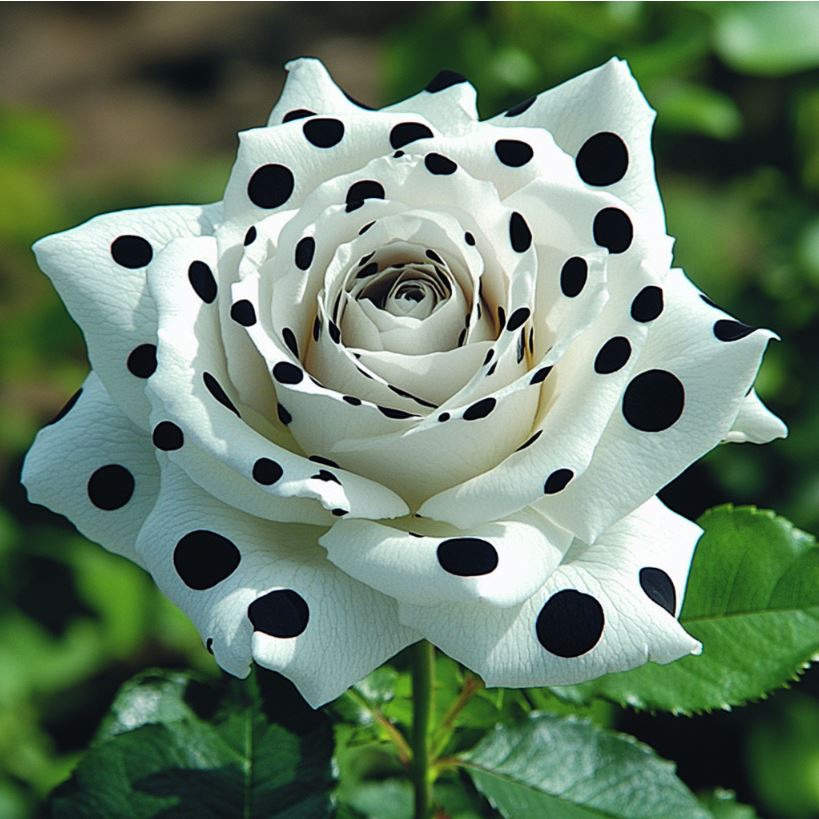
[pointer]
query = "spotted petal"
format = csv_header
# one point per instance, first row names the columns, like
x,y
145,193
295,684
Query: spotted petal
x,y
608,607
264,591
97,468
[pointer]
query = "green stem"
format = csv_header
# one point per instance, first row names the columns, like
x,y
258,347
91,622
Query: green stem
x,y
422,656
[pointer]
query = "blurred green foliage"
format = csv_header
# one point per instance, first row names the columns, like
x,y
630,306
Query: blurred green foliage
x,y
737,154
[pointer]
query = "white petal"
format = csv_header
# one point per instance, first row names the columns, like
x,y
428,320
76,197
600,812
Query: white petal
x,y
448,101
265,591
97,468
755,423
607,608
309,87
604,101
98,269
500,564
687,388
221,442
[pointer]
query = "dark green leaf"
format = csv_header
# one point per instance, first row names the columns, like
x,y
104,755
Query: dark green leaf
x,y
176,746
753,602
552,767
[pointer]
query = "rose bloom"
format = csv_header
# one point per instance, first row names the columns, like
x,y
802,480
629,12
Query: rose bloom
x,y
416,376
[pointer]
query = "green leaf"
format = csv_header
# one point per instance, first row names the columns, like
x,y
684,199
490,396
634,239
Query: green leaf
x,y
753,602
723,805
552,767
181,746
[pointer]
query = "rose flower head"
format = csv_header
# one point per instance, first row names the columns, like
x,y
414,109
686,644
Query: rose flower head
x,y
416,376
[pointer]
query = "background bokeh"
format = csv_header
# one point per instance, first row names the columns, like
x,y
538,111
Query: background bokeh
x,y
107,106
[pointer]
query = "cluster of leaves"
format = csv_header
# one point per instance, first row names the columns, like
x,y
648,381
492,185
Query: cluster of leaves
x,y
185,747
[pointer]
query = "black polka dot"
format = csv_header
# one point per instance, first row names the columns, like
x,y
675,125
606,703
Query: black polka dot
x,y
488,357
351,400
469,239
613,230
67,407
729,330
573,276
334,331
339,513
431,254
242,312
215,389
444,79
209,645
612,355
491,370
517,110
513,152
709,302
324,475
201,278
653,401
316,328
439,165
323,132
529,441
110,487
289,338
443,417
518,318
364,259
480,409
519,234
368,270
557,481
167,436
365,228
647,304
250,236
142,361
284,416
540,375
203,559
398,154
467,556
281,613
131,251
286,373
659,588
266,471
406,132
390,412
320,459
570,623
305,250
603,159
297,113
361,190
270,186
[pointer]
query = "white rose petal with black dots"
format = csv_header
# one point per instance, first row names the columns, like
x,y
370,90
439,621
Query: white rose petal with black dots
x,y
416,376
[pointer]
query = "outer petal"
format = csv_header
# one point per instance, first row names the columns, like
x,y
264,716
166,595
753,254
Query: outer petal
x,y
96,468
609,607
309,89
755,423
499,564
98,269
265,591
603,120
684,394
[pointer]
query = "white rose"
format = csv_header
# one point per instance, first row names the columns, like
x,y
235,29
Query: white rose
x,y
416,376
